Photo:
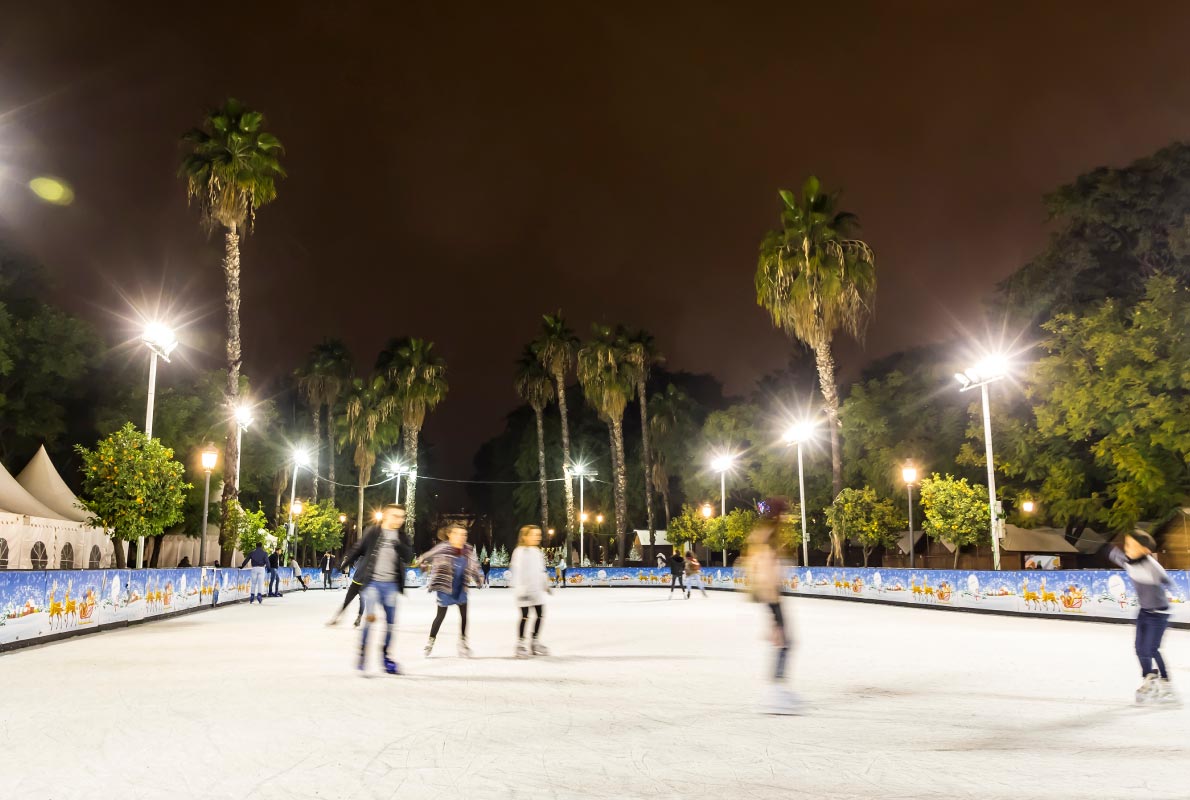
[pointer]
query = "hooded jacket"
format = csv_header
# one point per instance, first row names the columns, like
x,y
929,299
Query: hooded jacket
x,y
367,548
440,560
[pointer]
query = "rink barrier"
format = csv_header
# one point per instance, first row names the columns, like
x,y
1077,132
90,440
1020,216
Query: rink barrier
x,y
42,606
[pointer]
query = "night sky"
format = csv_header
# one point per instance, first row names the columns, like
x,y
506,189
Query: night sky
x,y
456,169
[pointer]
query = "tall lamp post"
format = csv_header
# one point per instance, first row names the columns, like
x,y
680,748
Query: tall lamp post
x,y
909,475
161,342
580,472
243,420
797,434
210,457
722,464
396,470
978,377
300,459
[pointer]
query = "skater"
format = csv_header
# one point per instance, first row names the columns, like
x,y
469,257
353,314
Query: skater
x,y
562,572
764,570
328,569
274,576
452,564
677,568
297,573
487,571
384,553
693,575
1150,580
260,562
530,584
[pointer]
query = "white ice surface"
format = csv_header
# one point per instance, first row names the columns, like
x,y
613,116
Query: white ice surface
x,y
644,697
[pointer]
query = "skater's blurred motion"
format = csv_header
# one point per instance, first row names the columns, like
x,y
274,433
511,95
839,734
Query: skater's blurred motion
x,y
677,569
382,554
328,569
765,569
530,584
260,562
451,565
1150,580
693,575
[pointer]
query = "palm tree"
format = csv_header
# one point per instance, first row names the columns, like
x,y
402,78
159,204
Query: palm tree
x,y
814,280
671,425
555,349
605,372
231,167
321,380
369,406
418,377
534,386
642,355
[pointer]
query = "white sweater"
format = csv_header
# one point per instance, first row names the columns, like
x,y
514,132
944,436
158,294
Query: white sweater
x,y
528,578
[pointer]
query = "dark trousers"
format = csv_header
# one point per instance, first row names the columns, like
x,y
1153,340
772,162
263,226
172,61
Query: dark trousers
x,y
781,638
441,615
326,578
676,579
525,619
353,591
274,583
1150,627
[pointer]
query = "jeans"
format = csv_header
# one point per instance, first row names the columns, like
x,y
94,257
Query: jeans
x,y
1150,627
274,582
257,586
676,578
781,639
326,579
380,595
694,581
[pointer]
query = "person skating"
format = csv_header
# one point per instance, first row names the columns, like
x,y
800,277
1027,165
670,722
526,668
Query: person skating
x,y
297,573
677,569
562,572
765,570
530,584
693,575
1150,580
274,575
328,569
260,562
382,553
487,571
451,565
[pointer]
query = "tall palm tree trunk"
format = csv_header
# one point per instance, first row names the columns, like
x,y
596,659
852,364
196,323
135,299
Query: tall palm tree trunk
x,y
330,449
410,434
364,477
317,433
647,455
231,452
661,483
560,382
620,488
825,362
545,495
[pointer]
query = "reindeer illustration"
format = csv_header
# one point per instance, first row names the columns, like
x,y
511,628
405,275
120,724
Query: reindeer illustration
x,y
1048,597
1032,599
70,609
915,589
928,591
55,607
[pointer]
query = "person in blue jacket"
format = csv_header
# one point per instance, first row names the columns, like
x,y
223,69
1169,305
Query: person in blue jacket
x,y
260,562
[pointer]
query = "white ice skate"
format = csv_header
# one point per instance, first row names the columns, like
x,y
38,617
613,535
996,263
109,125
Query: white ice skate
x,y
1164,694
779,700
429,646
540,649
522,649
1148,690
464,650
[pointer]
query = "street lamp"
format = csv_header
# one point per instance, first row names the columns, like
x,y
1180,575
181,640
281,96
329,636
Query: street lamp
x,y
581,472
160,340
987,371
300,459
909,475
342,519
707,510
243,420
796,434
395,470
1028,506
377,516
209,458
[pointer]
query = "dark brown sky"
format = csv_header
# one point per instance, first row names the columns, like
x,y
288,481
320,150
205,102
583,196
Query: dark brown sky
x,y
456,169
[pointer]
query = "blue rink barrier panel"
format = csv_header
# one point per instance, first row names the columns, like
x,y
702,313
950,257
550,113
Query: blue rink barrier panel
x,y
41,604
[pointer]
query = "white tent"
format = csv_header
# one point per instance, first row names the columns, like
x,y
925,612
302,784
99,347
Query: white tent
x,y
15,499
40,479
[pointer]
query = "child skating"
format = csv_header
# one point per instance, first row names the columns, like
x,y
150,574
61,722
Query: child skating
x,y
530,584
764,570
1150,580
452,564
693,575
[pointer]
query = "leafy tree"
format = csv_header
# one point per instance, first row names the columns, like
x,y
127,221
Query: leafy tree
x,y
815,280
132,486
369,407
534,386
556,348
691,527
418,378
231,167
322,380
731,532
245,530
672,428
861,516
318,527
955,512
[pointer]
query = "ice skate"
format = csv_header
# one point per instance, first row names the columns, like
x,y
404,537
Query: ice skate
x,y
779,700
429,646
464,650
362,664
390,666
540,649
1164,694
1147,690
358,619
522,649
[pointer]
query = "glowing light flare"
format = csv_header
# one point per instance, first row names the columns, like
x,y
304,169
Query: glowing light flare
x,y
52,190
159,338
799,432
1028,506
708,510
909,474
244,416
301,456
722,463
342,519
210,457
296,508
378,515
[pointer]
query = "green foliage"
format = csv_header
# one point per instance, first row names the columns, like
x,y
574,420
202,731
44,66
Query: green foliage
x,y
691,527
955,511
131,484
245,529
318,526
859,515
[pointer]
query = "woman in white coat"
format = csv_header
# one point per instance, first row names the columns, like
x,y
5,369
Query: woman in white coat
x,y
530,584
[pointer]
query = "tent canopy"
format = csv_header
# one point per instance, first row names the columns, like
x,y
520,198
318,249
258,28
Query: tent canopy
x,y
15,499
642,538
1036,540
40,479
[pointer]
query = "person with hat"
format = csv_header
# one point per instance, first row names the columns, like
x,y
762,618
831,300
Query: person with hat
x,y
1150,580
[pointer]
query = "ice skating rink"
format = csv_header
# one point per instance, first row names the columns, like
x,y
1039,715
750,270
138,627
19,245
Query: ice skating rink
x,y
644,697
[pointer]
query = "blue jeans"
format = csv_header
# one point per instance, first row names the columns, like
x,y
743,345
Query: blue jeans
x,y
1150,627
377,595
257,587
274,582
